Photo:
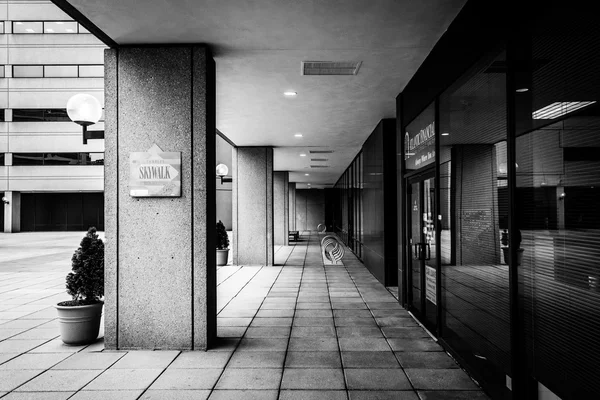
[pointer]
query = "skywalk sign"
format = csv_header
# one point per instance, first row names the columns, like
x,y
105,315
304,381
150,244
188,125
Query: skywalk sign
x,y
155,173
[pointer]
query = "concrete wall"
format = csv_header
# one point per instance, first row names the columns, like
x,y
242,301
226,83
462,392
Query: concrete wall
x,y
292,206
253,206
310,209
160,287
280,207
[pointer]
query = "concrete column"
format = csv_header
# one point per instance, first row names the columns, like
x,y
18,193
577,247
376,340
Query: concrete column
x,y
160,265
281,207
252,205
12,212
292,206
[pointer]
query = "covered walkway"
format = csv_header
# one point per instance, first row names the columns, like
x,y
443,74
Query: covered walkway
x,y
294,331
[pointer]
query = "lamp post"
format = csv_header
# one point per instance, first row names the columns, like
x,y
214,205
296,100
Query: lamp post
x,y
85,110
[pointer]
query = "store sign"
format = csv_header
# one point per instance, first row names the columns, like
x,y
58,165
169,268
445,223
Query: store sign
x,y
155,173
430,286
420,148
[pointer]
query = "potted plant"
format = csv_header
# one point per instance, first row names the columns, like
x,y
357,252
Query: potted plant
x,y
222,244
79,318
505,246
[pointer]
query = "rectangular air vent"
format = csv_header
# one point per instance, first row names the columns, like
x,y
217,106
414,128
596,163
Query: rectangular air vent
x,y
319,166
320,151
319,159
330,67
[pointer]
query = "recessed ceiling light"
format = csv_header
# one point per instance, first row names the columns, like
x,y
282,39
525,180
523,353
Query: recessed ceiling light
x,y
445,134
298,135
559,109
306,174
290,93
522,90
302,155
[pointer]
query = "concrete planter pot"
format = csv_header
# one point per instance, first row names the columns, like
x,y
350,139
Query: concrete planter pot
x,y
79,324
222,256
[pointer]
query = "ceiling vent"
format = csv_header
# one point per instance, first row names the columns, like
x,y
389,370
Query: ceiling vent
x,y
320,151
319,166
330,67
319,159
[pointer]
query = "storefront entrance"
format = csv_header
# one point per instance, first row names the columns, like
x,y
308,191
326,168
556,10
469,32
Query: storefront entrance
x,y
421,241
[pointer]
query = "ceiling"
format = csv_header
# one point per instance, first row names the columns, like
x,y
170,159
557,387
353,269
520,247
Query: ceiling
x,y
258,46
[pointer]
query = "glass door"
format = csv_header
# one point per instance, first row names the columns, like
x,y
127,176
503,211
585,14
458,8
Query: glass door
x,y
422,296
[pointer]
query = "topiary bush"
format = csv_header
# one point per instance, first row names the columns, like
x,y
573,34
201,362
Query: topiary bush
x,y
86,283
222,238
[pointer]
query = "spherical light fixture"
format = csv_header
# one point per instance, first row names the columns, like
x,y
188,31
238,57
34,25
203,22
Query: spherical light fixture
x,y
84,109
222,170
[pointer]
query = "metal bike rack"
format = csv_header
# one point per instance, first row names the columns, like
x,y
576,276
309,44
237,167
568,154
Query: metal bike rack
x,y
332,249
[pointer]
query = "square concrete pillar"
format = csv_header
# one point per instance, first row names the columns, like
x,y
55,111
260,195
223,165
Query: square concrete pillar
x,y
160,262
12,212
252,206
292,206
281,207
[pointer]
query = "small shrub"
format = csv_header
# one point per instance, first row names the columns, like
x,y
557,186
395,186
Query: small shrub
x,y
86,283
222,238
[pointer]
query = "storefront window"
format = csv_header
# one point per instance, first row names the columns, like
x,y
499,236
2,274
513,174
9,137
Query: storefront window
x,y
475,310
419,141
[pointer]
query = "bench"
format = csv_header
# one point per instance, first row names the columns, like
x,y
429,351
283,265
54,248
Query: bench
x,y
293,235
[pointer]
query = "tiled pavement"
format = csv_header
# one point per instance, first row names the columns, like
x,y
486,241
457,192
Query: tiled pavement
x,y
294,331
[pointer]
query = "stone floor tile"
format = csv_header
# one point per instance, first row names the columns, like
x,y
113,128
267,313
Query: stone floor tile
x,y
233,313
124,379
382,395
35,361
201,360
394,321
352,313
57,346
266,313
426,359
250,378
440,379
313,313
175,395
59,381
377,379
301,378
452,395
359,331
225,344
187,379
38,396
313,306
233,321
414,345
268,332
369,359
313,321
401,313
146,359
231,331
262,344
38,333
392,304
5,357
107,395
313,344
271,322
355,321
10,379
20,346
313,359
243,395
257,359
314,331
404,332
6,333
89,361
313,395
348,305
364,344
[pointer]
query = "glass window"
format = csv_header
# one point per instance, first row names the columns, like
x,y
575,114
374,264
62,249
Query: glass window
x,y
28,159
1,71
28,71
419,141
38,115
2,117
1,158
91,71
1,26
82,29
60,71
60,27
28,27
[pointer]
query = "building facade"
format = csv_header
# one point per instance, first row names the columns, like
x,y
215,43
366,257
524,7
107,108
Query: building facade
x,y
49,179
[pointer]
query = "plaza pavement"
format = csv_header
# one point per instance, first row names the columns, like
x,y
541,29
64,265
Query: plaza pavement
x,y
298,330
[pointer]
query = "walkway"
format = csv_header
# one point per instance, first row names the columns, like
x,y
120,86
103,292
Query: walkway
x,y
298,331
